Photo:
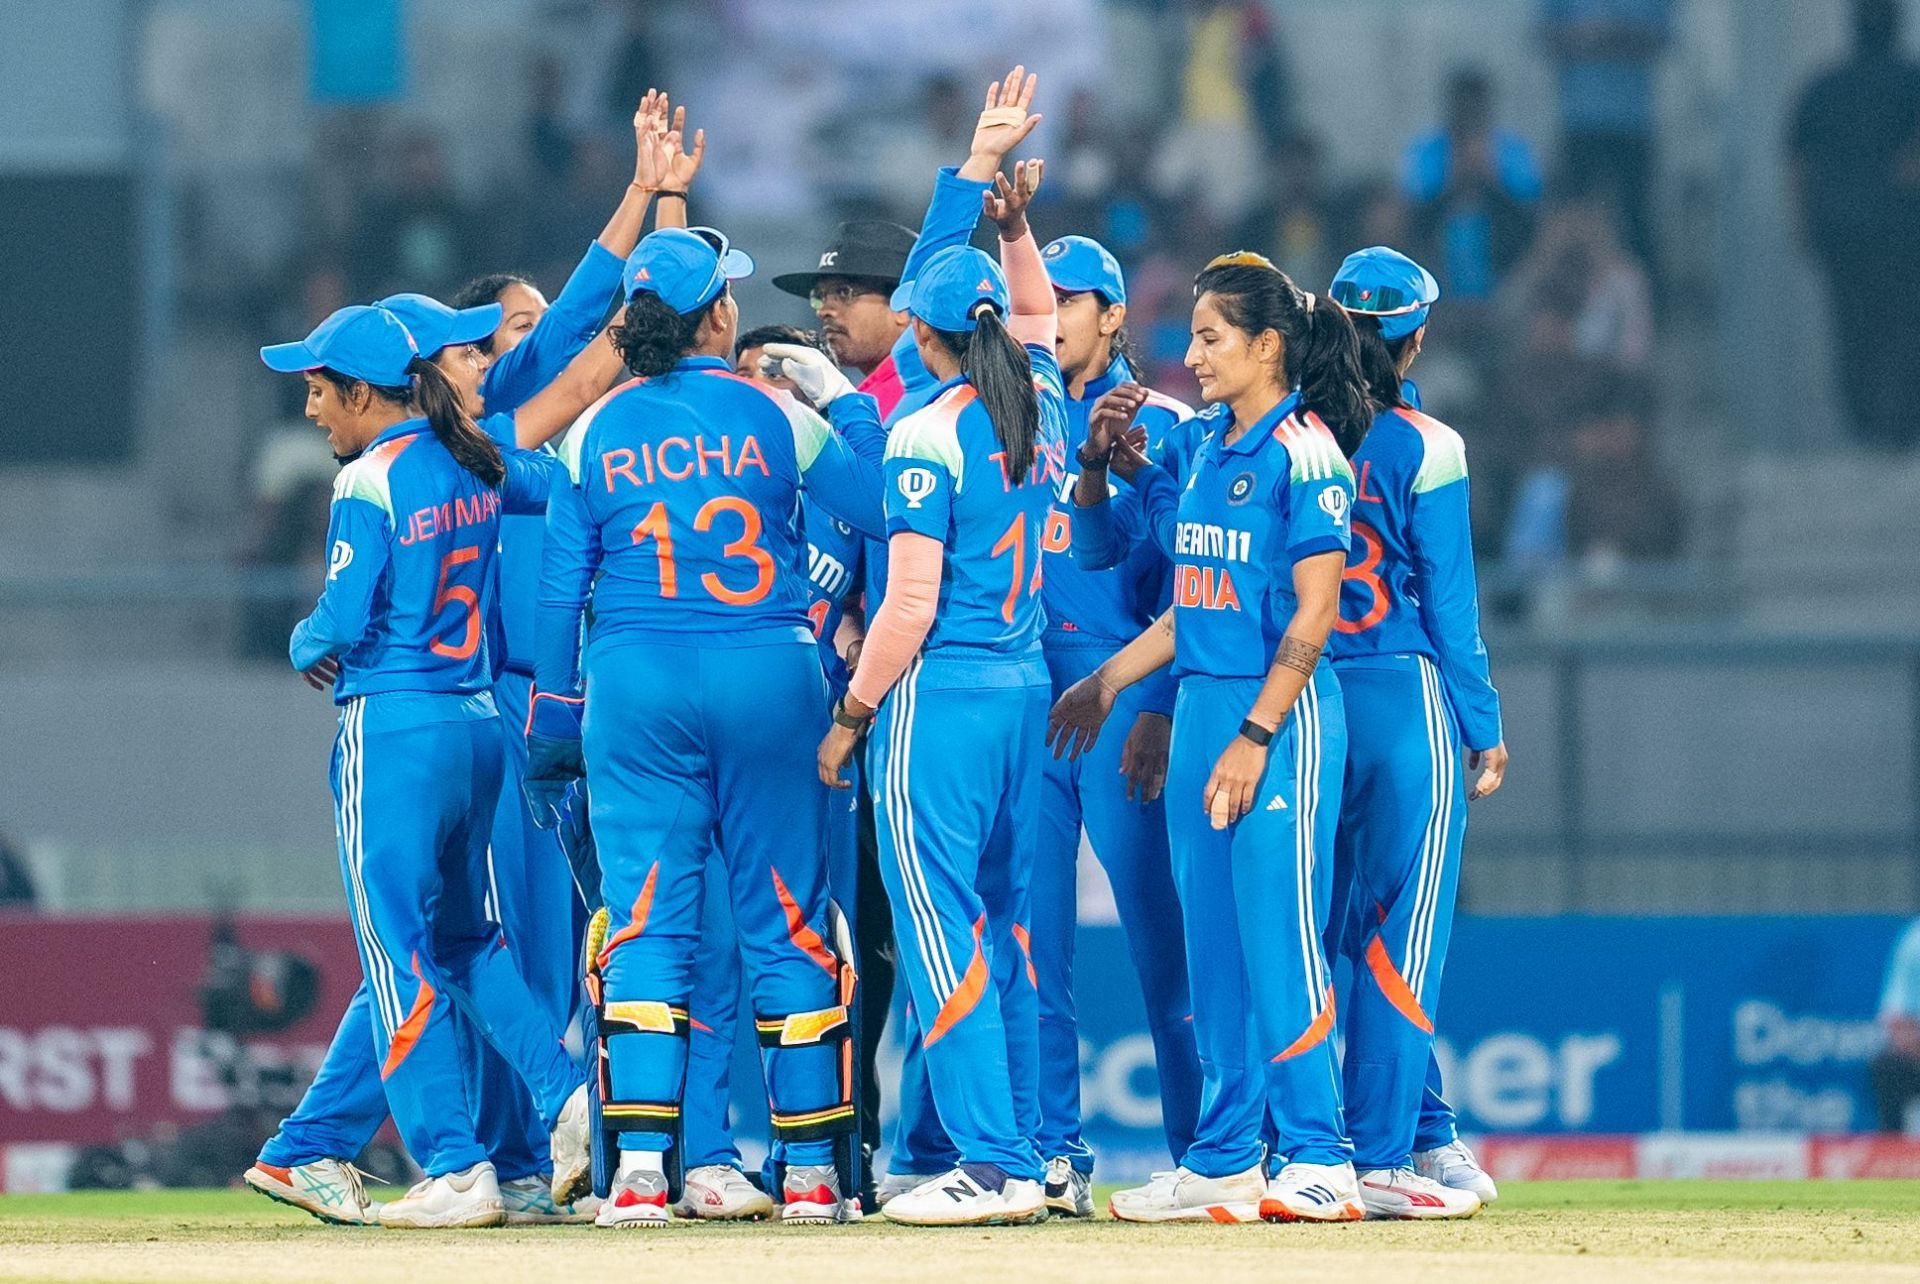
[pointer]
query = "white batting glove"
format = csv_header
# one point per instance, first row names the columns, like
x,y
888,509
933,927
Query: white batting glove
x,y
811,371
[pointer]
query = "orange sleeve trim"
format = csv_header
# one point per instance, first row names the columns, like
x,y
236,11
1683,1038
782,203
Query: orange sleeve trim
x,y
1391,984
408,1035
637,922
1315,1034
804,938
966,996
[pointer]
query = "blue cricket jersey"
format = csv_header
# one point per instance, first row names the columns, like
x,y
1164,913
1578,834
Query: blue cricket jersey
x,y
945,478
515,378
678,512
1281,493
833,565
412,538
1409,586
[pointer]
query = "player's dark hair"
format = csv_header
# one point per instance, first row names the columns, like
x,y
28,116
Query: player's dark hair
x,y
439,401
447,415
761,336
1002,377
653,337
1380,361
483,290
1322,350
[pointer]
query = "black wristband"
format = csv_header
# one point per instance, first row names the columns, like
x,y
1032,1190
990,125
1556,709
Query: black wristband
x,y
842,718
1256,733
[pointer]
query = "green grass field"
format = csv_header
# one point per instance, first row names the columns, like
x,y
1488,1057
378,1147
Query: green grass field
x,y
1542,1233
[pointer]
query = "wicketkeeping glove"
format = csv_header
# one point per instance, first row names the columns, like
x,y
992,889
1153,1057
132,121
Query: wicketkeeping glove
x,y
554,756
811,371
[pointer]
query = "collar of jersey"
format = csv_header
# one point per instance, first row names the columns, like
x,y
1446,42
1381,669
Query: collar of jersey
x,y
1118,371
405,428
702,361
1256,436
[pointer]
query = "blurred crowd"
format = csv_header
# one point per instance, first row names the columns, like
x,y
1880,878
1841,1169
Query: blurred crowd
x,y
1544,349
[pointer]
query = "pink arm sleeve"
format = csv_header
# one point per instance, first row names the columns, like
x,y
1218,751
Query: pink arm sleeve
x,y
914,563
1031,319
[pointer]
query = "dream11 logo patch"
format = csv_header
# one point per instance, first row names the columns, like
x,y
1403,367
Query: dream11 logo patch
x,y
917,484
1333,501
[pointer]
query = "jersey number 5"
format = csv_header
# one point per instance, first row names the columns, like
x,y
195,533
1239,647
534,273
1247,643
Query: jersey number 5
x,y
1365,573
457,594
657,527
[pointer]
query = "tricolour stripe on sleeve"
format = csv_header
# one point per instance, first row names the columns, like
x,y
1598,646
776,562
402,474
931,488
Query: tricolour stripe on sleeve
x,y
1443,458
933,434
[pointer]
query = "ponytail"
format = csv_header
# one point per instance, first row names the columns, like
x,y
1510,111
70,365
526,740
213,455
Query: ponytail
x,y
997,366
440,402
1323,354
1380,361
1326,369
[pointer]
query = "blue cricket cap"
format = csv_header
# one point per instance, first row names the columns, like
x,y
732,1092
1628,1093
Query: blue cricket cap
x,y
361,342
434,325
1386,284
686,266
1081,265
950,285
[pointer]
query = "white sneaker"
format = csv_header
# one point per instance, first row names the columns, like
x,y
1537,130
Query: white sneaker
x,y
1069,1191
451,1201
330,1189
812,1196
894,1184
1402,1194
1313,1193
721,1193
956,1199
572,1149
529,1202
637,1199
1454,1165
1185,1196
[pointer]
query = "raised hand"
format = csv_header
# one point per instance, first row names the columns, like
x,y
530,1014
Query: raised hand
x,y
1006,203
1005,121
662,162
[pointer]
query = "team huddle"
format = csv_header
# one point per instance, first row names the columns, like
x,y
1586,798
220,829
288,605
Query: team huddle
x,y
665,653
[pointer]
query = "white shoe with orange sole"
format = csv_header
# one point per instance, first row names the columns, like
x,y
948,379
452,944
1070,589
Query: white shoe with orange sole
x,y
1186,1196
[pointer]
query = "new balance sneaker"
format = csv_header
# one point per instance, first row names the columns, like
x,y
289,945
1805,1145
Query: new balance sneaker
x,y
721,1193
1185,1196
638,1198
1454,1165
1069,1191
572,1149
1313,1193
529,1202
452,1201
330,1189
812,1196
894,1184
1402,1194
970,1195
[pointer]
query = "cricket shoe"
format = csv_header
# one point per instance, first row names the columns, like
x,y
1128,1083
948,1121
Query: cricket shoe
x,y
331,1189
812,1196
1401,1194
1313,1193
1069,1191
721,1193
571,1145
451,1201
896,1184
529,1202
970,1195
1454,1165
638,1198
1185,1196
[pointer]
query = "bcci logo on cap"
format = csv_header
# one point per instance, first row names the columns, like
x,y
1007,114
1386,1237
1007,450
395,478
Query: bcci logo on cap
x,y
341,559
917,484
1334,501
1055,250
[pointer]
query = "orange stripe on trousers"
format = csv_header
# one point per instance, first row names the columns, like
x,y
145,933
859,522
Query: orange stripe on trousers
x,y
637,921
410,1030
1398,993
1315,1034
805,938
965,998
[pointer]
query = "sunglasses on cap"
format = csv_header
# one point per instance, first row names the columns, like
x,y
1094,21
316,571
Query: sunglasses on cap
x,y
1375,300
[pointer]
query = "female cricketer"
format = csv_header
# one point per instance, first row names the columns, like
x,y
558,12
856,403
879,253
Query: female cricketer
x,y
1259,541
678,516
1413,673
954,758
1113,791
400,636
